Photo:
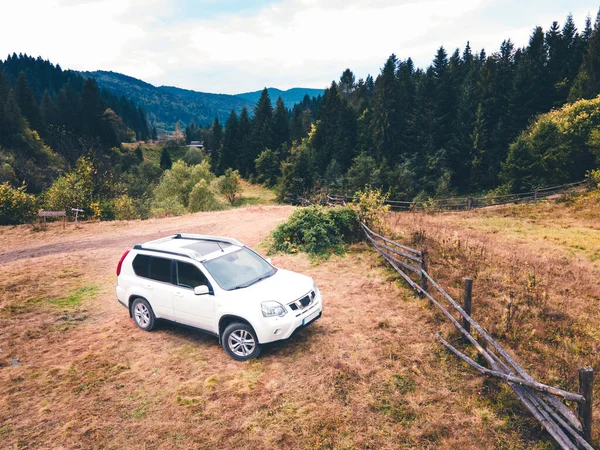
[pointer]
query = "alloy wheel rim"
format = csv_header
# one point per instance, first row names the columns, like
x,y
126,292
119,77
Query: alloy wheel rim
x,y
142,315
241,342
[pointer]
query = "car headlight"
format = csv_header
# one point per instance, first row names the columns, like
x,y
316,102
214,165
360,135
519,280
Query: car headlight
x,y
271,309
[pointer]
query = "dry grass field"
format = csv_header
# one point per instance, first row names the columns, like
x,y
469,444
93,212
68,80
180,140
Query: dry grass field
x,y
535,269
369,374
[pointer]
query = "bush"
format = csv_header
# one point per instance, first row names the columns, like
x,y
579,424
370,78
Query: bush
x,y
193,156
370,204
124,208
230,185
593,179
172,194
317,230
72,190
268,167
106,209
16,205
202,198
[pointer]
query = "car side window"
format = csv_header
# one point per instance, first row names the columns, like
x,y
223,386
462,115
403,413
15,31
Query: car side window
x,y
160,269
189,276
140,265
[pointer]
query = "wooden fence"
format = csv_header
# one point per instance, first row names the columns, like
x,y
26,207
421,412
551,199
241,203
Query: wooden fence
x,y
545,403
463,203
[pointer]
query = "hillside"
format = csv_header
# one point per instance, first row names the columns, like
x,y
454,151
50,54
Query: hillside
x,y
289,97
166,105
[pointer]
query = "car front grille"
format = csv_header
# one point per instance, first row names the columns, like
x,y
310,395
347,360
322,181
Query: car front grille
x,y
302,302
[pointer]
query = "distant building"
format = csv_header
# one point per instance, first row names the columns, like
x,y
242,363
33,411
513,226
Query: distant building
x,y
195,144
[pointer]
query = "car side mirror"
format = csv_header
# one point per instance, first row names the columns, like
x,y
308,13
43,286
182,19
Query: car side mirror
x,y
269,261
201,290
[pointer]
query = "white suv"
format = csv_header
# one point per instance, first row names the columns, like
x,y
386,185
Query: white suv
x,y
218,285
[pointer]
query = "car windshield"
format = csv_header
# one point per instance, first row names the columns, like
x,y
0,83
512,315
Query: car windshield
x,y
239,269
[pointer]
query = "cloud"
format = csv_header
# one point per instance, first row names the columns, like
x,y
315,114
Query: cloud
x,y
218,47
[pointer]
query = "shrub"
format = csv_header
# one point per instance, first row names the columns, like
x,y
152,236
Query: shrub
x,y
172,194
593,178
16,205
72,190
124,208
202,198
268,167
317,230
370,204
230,185
194,156
106,209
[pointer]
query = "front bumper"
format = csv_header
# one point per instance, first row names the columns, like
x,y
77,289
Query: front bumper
x,y
280,328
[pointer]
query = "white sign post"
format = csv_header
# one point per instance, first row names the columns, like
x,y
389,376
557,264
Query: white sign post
x,y
77,211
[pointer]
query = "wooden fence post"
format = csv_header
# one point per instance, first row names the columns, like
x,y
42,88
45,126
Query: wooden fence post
x,y
535,196
467,302
469,203
424,255
584,410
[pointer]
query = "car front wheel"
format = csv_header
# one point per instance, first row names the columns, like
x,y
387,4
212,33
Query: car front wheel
x,y
142,314
240,341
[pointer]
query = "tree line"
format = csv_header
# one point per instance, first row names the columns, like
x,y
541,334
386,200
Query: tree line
x,y
448,128
49,118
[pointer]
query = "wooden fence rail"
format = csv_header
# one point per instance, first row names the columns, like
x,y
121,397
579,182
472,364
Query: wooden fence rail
x,y
460,203
569,430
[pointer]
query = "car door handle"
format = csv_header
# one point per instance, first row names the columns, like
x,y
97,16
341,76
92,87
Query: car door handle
x,y
148,286
178,294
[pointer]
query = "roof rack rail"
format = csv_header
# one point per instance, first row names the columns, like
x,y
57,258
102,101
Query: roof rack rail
x,y
179,252
207,237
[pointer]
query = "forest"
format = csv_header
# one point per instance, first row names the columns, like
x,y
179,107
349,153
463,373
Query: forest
x,y
462,125
470,123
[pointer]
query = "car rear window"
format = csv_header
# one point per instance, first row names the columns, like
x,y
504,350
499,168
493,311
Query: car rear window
x,y
140,265
160,269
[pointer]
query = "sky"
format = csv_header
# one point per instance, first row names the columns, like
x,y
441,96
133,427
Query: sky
x,y
227,46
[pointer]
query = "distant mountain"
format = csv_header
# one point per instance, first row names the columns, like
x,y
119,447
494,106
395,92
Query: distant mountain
x,y
289,97
166,105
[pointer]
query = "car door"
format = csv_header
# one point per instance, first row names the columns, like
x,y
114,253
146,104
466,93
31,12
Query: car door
x,y
192,309
159,288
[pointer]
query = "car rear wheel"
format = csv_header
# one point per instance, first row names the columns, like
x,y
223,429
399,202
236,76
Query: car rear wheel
x,y
240,341
142,314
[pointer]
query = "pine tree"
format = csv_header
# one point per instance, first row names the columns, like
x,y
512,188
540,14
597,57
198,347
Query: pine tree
x,y
347,85
48,110
262,126
228,152
216,137
165,159
12,123
386,112
245,154
587,83
27,104
335,136
154,134
532,88
281,127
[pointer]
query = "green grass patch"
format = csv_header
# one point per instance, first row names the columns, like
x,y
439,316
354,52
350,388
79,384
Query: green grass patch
x,y
76,297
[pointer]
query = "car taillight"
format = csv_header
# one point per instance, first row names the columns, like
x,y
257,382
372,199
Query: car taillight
x,y
121,262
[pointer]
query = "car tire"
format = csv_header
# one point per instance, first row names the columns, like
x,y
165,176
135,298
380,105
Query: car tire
x,y
142,314
240,341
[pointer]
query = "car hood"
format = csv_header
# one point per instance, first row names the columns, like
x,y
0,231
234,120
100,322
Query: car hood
x,y
284,286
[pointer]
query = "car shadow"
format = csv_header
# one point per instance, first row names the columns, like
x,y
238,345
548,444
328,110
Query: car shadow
x,y
299,341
